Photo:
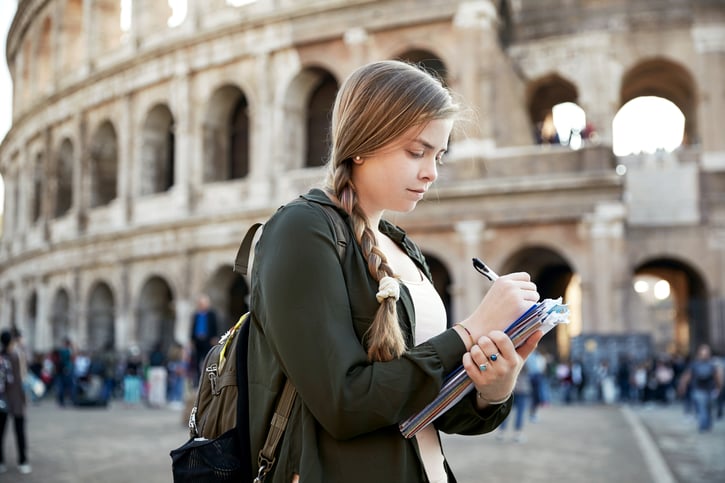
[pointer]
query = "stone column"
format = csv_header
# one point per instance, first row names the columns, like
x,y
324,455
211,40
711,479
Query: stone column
x,y
182,106
468,295
710,44
604,290
475,27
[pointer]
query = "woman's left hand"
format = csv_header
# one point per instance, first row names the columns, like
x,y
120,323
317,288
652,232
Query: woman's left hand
x,y
493,364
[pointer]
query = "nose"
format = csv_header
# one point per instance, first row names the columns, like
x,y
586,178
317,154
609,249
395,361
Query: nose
x,y
429,170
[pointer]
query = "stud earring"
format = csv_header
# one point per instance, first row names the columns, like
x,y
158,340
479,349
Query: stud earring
x,y
357,158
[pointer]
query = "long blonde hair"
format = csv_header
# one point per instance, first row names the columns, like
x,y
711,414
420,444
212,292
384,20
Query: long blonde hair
x,y
374,106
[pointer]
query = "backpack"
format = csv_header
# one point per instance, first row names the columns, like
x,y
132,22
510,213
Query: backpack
x,y
219,448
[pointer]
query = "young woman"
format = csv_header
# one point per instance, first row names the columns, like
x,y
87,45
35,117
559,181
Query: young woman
x,y
364,339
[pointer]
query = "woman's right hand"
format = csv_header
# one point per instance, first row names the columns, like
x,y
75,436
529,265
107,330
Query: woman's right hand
x,y
510,296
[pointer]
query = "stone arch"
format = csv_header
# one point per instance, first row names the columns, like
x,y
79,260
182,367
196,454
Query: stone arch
x,y
155,314
226,135
542,95
427,60
229,295
307,112
72,46
103,165
100,317
664,78
443,282
553,275
157,151
60,317
678,323
64,178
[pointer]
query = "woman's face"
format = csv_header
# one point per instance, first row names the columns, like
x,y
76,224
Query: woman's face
x,y
397,176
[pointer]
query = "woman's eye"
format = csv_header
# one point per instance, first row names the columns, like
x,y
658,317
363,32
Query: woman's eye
x,y
417,154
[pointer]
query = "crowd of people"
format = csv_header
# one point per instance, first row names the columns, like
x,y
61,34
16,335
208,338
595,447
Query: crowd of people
x,y
695,381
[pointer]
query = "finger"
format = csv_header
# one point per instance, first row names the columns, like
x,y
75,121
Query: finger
x,y
504,347
472,369
517,276
479,356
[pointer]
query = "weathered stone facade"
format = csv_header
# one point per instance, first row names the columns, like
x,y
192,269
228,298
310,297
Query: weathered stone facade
x,y
139,156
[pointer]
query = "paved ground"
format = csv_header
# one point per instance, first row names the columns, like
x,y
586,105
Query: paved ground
x,y
570,444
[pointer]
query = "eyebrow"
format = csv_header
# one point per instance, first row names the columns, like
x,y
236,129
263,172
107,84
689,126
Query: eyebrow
x,y
427,145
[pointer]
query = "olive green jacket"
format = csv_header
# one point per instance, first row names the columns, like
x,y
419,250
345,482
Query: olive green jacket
x,y
310,311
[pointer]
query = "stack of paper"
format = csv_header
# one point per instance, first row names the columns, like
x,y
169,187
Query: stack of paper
x,y
541,316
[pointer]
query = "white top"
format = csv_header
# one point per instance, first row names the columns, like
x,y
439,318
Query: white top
x,y
430,320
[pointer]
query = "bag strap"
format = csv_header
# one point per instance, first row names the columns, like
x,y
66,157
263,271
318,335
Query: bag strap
x,y
278,424
283,409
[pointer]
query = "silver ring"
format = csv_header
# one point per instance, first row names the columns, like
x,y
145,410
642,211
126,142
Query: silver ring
x,y
493,357
483,367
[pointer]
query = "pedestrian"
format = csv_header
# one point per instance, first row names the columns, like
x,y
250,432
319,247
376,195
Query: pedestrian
x,y
522,397
536,369
157,377
706,379
364,338
203,333
14,400
64,371
133,378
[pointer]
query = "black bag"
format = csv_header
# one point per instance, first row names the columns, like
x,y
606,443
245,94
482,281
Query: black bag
x,y
228,456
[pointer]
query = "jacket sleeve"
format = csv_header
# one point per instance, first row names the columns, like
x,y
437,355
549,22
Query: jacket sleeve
x,y
303,308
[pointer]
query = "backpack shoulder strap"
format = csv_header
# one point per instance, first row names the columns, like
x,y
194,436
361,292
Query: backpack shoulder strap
x,y
241,261
340,228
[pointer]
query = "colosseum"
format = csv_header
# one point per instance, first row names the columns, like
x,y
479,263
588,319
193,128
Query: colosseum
x,y
148,136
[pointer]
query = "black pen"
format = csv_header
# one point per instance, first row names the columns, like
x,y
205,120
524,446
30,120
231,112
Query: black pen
x,y
483,269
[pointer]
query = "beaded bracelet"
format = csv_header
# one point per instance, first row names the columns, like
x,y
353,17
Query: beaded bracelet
x,y
479,396
470,336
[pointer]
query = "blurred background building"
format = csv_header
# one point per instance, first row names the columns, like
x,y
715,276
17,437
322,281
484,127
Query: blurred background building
x,y
148,135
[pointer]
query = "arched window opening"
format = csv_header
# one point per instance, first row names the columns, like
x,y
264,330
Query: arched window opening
x,y
647,124
239,140
100,316
655,81
43,60
157,151
542,95
156,315
319,112
428,61
64,179
226,135
72,48
32,314
60,316
110,17
37,206
103,166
